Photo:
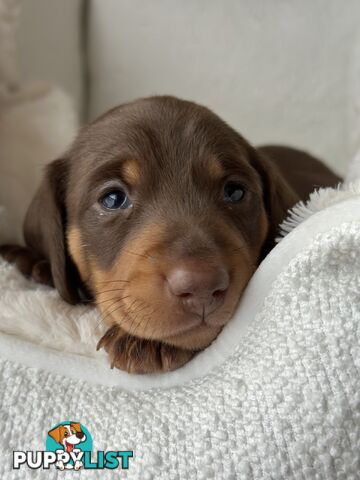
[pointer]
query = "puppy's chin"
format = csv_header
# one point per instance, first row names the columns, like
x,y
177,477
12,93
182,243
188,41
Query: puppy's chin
x,y
196,338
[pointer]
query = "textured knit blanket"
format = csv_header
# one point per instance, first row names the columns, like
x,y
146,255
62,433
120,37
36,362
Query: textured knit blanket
x,y
276,396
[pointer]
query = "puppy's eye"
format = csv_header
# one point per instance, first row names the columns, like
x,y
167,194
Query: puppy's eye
x,y
66,434
233,192
116,199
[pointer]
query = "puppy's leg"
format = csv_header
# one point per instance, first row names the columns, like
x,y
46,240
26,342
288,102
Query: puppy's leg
x,y
28,263
137,355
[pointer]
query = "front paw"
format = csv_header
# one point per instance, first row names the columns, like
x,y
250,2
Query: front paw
x,y
137,355
28,263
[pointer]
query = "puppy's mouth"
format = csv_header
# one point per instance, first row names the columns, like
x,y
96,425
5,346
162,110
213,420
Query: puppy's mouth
x,y
69,446
188,331
184,304
194,338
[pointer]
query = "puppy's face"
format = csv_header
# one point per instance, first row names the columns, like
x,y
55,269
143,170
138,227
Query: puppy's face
x,y
166,212
68,435
165,219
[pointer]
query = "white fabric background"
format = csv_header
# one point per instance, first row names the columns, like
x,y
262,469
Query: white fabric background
x,y
278,71
36,125
49,45
37,120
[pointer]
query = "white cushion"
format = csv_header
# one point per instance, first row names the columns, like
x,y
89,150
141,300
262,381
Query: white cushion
x,y
276,71
9,16
49,44
36,125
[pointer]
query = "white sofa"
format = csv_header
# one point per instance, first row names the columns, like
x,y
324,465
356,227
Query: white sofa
x,y
277,71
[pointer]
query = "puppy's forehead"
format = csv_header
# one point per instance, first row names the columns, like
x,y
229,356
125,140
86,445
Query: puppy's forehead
x,y
161,131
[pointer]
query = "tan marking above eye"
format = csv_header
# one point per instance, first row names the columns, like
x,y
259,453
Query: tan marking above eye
x,y
77,252
215,168
131,171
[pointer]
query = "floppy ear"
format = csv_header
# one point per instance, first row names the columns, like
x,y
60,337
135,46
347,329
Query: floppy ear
x,y
278,194
56,433
45,229
76,426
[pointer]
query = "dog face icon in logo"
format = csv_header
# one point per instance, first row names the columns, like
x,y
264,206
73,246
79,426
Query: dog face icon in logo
x,y
69,435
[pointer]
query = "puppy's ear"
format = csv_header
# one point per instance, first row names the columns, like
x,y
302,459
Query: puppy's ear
x,y
76,426
45,229
56,433
278,195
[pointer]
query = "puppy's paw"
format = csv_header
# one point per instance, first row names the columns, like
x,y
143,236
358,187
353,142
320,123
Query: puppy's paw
x,y
136,355
28,263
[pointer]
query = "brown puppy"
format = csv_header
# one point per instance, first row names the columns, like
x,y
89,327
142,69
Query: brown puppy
x,y
161,212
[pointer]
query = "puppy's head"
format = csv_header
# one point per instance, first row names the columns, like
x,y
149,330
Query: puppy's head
x,y
163,212
68,435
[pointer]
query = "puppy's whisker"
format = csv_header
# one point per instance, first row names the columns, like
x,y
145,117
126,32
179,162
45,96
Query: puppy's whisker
x,y
108,313
96,303
150,316
139,254
111,290
147,321
105,301
92,275
133,318
157,330
102,317
114,281
137,314
118,324
104,313
112,312
125,317
142,317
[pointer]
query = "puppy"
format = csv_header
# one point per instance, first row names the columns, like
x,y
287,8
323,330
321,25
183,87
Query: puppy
x,y
161,212
68,436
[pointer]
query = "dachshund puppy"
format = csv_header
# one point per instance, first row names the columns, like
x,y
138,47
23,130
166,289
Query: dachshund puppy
x,y
161,212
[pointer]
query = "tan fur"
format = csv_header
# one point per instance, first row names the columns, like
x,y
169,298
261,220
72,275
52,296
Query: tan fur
x,y
76,427
57,433
77,253
131,171
215,169
140,305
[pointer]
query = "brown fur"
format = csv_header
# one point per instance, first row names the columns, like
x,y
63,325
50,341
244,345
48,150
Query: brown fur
x,y
173,158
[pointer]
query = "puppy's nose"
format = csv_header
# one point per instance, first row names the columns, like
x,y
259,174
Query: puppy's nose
x,y
201,288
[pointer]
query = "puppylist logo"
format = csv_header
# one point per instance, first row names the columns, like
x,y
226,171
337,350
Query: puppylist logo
x,y
69,446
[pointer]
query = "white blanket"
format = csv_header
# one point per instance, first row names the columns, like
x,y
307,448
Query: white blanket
x,y
275,396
